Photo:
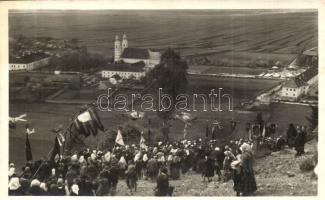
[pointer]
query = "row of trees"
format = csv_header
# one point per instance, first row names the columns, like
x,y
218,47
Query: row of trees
x,y
78,60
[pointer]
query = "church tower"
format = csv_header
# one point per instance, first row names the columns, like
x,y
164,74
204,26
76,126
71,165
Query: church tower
x,y
117,49
124,42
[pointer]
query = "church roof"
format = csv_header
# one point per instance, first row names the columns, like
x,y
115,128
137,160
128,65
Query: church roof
x,y
125,67
294,83
302,79
135,53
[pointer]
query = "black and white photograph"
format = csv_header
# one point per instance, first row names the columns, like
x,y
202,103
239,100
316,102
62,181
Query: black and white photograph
x,y
163,102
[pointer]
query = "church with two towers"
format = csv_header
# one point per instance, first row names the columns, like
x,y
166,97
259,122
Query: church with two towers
x,y
124,53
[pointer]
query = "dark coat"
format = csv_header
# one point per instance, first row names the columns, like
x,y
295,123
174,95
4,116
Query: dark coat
x,y
209,168
162,185
247,183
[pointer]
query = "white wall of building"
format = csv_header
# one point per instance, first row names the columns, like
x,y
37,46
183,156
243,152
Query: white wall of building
x,y
293,93
123,74
29,66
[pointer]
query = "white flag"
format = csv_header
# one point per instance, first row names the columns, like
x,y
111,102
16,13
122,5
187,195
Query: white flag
x,y
142,143
263,133
29,132
119,138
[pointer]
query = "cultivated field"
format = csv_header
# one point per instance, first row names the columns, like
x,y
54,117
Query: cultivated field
x,y
192,32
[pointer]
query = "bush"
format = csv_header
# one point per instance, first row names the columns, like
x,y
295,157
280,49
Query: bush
x,y
307,164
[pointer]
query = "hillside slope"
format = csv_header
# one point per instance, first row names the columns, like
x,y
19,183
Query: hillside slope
x,y
276,175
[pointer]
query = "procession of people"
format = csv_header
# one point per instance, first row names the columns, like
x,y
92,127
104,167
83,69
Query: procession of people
x,y
97,172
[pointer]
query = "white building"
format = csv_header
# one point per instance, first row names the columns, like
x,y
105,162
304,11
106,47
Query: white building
x,y
299,85
29,62
123,53
124,70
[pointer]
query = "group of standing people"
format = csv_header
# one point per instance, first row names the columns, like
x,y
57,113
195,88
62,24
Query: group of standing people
x,y
296,138
97,173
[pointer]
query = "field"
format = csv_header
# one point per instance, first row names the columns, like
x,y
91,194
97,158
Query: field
x,y
192,32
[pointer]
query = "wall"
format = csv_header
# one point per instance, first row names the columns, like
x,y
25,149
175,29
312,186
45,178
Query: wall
x,y
293,93
122,74
29,66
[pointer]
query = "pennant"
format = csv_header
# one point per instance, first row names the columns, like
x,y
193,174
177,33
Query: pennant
x,y
119,138
28,149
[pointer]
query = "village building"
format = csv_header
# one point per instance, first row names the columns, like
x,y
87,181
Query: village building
x,y
28,62
124,70
299,85
307,58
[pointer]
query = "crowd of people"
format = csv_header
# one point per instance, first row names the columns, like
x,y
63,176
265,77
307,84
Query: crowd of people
x,y
97,172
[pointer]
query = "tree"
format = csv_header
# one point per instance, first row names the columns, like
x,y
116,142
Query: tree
x,y
313,117
170,76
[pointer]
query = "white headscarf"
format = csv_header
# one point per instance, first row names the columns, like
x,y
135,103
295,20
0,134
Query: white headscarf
x,y
245,147
75,189
14,183
137,156
43,186
74,158
82,159
145,158
107,156
35,182
11,171
93,156
122,161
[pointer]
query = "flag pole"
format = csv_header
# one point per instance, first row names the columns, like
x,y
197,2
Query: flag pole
x,y
43,162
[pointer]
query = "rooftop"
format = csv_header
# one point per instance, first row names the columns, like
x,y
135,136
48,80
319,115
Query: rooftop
x,y
125,67
135,53
302,79
27,59
311,52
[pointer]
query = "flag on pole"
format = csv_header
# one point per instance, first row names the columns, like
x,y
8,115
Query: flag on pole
x,y
143,142
119,138
185,131
250,133
56,149
263,132
61,139
88,123
28,149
